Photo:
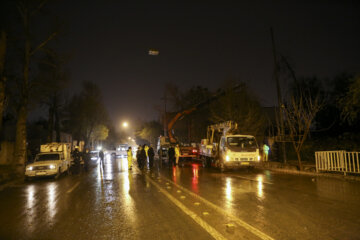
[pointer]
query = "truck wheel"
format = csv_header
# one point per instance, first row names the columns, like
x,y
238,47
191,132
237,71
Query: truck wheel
x,y
203,161
208,162
57,175
68,170
221,167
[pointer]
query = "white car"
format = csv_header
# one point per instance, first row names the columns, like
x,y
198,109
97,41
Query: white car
x,y
48,164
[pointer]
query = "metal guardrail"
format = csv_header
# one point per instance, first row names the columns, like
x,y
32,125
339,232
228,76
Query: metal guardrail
x,y
338,161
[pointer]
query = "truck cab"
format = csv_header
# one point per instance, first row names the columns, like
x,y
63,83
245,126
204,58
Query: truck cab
x,y
53,160
238,150
48,164
225,148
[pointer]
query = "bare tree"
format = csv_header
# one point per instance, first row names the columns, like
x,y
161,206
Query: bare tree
x,y
85,112
26,13
242,107
52,80
2,76
350,103
300,114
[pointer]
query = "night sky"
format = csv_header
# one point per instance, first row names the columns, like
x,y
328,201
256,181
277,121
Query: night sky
x,y
202,44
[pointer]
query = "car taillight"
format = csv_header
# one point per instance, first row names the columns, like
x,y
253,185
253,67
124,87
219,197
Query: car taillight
x,y
194,150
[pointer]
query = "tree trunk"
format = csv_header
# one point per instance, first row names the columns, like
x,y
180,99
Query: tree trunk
x,y
20,142
21,134
50,124
299,159
57,121
2,77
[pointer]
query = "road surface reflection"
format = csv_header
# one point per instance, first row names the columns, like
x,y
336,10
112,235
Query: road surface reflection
x,y
51,198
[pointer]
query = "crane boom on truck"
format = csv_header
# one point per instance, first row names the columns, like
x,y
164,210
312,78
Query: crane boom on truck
x,y
185,151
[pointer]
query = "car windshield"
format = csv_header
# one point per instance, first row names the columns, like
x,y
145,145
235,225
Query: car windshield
x,y
48,157
242,142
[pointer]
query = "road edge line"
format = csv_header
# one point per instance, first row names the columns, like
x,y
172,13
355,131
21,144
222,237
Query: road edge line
x,y
73,188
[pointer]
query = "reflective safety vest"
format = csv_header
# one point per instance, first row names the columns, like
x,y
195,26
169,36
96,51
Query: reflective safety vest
x,y
266,148
129,154
177,151
146,150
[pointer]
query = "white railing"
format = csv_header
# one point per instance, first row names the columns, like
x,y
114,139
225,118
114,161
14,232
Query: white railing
x,y
337,161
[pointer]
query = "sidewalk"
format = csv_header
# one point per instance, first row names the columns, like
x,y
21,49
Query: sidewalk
x,y
8,175
308,169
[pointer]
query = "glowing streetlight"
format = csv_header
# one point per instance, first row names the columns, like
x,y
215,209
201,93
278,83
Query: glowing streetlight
x,y
125,124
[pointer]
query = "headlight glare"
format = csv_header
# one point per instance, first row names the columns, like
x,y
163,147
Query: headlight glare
x,y
30,168
227,158
52,166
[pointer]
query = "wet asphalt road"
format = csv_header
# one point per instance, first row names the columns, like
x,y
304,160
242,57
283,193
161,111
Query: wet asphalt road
x,y
187,202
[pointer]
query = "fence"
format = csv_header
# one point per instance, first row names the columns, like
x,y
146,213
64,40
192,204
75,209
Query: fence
x,y
337,161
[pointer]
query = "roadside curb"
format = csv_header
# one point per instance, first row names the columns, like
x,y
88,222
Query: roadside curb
x,y
314,174
9,182
9,176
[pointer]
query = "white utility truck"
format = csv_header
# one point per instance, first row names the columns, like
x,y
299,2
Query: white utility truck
x,y
225,148
53,160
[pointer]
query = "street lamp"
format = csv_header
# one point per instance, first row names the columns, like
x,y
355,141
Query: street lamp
x,y
125,124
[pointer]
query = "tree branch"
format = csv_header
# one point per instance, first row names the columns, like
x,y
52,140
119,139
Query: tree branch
x,y
38,8
41,45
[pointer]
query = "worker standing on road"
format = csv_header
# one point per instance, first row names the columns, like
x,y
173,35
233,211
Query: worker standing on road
x,y
146,148
86,158
142,157
177,153
129,158
138,156
76,159
265,152
101,155
171,156
151,155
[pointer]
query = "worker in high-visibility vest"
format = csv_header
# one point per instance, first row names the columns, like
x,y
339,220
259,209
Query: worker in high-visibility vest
x,y
129,158
265,152
146,148
177,153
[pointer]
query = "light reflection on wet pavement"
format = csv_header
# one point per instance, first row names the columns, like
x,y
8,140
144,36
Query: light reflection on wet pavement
x,y
190,202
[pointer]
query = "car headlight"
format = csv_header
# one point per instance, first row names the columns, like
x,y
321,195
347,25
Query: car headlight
x,y
29,168
227,158
258,158
52,166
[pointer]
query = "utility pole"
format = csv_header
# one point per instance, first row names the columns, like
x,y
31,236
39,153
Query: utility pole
x,y
165,120
281,131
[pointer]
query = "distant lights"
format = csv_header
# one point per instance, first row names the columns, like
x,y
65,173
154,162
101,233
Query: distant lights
x,y
153,52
